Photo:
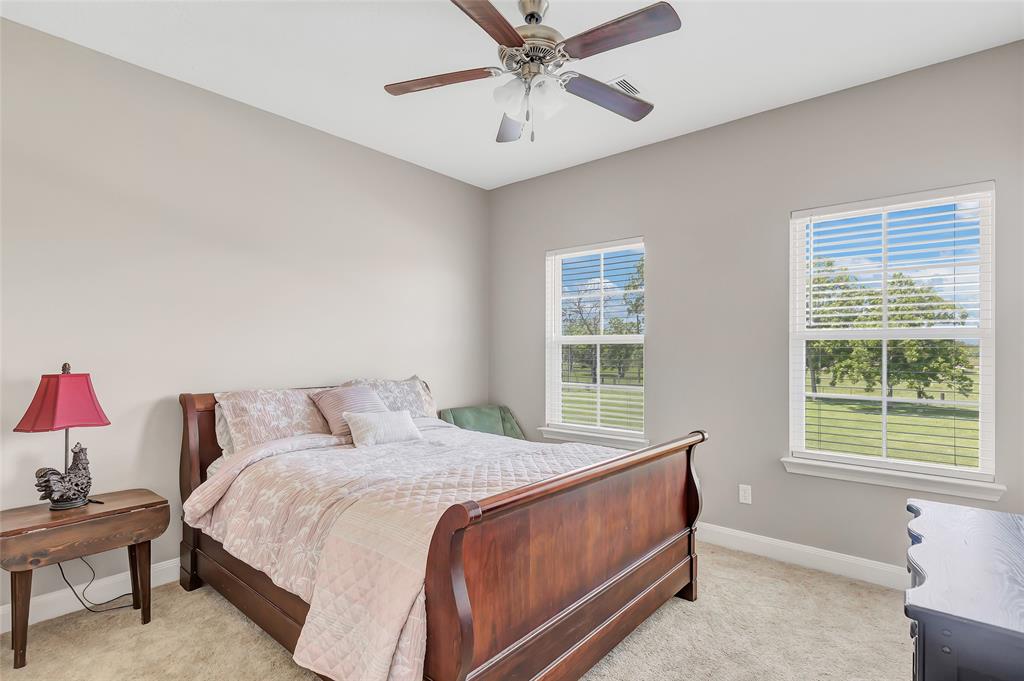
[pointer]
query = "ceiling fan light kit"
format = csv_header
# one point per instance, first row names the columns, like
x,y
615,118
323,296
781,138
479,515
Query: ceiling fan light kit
x,y
535,53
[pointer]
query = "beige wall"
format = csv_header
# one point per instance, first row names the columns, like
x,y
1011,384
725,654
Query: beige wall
x,y
169,240
714,209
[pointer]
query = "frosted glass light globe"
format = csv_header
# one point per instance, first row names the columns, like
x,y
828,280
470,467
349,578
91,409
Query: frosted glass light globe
x,y
510,98
546,96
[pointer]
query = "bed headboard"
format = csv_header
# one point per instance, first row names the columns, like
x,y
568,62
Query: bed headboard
x,y
199,446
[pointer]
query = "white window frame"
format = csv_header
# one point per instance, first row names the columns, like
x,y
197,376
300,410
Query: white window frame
x,y
554,340
943,478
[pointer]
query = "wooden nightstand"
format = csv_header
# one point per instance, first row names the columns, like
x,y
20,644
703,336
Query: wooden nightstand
x,y
34,536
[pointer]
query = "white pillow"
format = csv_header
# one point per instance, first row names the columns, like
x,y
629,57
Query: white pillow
x,y
379,428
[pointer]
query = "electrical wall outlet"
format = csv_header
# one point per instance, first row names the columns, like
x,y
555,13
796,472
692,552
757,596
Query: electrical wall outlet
x,y
745,497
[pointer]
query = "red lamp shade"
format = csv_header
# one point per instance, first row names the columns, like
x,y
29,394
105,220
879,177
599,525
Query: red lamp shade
x,y
62,401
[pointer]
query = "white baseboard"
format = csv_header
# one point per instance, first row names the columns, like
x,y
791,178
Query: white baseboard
x,y
883,574
62,601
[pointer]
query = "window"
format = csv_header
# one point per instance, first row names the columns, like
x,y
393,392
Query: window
x,y
891,343
595,343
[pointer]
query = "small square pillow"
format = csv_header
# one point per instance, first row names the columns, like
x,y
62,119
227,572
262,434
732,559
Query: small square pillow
x,y
357,399
412,394
381,428
257,416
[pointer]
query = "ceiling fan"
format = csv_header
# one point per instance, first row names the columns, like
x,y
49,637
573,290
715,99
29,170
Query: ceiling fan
x,y
535,53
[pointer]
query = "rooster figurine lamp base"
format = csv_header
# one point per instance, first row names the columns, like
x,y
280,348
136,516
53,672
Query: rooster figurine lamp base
x,y
63,401
71,489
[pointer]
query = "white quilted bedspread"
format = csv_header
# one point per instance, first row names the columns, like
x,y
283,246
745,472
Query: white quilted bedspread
x,y
348,530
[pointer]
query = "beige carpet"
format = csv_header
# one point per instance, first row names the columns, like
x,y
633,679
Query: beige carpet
x,y
755,619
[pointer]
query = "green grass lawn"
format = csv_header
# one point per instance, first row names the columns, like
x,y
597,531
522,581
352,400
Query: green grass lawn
x,y
622,397
620,407
934,433
915,432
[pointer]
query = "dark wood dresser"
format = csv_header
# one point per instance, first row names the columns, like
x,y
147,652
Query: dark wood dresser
x,y
966,599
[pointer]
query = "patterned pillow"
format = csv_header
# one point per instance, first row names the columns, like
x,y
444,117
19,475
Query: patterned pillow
x,y
221,429
382,428
257,416
412,394
335,402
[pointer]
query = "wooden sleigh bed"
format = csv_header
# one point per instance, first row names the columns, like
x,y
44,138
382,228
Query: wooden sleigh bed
x,y
539,582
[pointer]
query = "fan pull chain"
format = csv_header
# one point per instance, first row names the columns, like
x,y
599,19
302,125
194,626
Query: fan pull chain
x,y
529,109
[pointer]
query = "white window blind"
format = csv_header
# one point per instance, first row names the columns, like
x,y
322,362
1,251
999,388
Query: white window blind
x,y
595,338
891,333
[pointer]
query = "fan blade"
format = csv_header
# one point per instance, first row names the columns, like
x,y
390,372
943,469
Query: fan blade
x,y
606,96
640,25
491,20
510,129
407,86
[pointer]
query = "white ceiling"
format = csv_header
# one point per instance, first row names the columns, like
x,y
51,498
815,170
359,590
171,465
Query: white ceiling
x,y
324,64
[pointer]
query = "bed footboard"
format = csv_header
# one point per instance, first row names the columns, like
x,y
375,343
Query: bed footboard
x,y
542,581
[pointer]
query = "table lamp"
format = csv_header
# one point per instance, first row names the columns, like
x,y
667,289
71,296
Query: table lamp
x,y
64,401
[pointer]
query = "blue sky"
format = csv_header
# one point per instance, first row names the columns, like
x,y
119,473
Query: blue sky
x,y
937,246
582,275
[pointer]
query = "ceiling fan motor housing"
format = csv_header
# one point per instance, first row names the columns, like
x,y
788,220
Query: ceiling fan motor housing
x,y
540,46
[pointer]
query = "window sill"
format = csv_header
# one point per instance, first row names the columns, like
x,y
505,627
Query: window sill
x,y
608,439
939,484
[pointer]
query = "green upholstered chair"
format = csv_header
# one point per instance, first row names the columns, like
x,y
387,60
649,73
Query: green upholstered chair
x,y
494,419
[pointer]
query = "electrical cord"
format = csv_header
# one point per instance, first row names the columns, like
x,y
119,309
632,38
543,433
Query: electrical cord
x,y
84,600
